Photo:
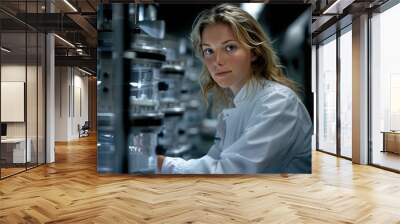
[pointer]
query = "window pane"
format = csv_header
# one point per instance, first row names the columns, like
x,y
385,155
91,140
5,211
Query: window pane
x,y
346,94
31,101
41,99
327,96
385,88
14,148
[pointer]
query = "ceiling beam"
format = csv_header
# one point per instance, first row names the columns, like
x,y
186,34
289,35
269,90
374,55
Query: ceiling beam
x,y
81,21
84,61
90,31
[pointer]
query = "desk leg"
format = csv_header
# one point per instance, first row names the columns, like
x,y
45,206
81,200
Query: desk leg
x,y
384,142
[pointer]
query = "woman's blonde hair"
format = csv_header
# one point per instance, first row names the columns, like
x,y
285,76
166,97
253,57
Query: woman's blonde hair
x,y
250,34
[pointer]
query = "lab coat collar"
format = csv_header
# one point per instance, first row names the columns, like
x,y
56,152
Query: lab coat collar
x,y
248,91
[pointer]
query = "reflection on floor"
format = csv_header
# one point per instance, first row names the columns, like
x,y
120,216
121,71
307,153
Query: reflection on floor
x,y
386,159
346,152
10,169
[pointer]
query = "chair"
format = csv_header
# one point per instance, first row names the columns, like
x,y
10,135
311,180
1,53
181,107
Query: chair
x,y
84,130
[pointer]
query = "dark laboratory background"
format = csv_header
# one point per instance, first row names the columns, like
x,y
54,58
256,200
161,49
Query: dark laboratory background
x,y
149,99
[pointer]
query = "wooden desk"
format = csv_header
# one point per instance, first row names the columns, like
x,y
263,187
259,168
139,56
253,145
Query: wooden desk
x,y
391,141
16,147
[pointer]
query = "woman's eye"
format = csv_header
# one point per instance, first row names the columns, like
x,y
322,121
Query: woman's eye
x,y
207,51
230,48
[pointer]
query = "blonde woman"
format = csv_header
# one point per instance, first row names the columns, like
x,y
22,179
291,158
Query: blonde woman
x,y
267,128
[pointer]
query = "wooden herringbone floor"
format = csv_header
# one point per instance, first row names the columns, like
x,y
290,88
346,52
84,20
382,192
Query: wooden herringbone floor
x,y
70,191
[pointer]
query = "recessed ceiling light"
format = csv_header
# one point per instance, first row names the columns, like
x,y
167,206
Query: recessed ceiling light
x,y
64,40
70,5
5,49
337,7
84,71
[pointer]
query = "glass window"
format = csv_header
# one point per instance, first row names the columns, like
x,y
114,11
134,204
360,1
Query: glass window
x,y
385,87
327,96
15,150
346,93
313,86
41,99
32,84
31,101
22,90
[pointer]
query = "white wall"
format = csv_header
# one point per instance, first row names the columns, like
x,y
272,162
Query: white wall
x,y
61,103
12,101
80,84
12,73
71,94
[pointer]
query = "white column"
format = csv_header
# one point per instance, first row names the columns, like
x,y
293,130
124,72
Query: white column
x,y
50,100
360,89
50,93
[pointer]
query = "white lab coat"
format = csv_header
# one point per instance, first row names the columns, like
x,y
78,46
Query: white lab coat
x,y
267,131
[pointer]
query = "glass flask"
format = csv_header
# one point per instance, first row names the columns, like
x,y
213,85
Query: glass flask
x,y
142,157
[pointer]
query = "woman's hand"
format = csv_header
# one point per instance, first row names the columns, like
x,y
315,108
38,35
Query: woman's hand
x,y
160,161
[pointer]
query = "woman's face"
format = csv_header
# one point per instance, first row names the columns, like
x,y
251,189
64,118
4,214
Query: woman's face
x,y
228,62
